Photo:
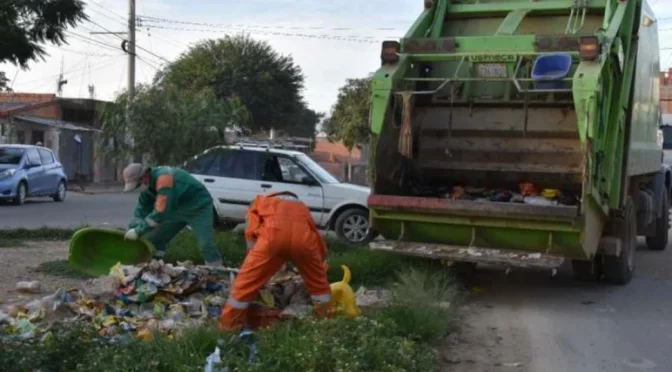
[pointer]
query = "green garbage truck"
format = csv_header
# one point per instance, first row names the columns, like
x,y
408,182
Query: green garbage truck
x,y
523,133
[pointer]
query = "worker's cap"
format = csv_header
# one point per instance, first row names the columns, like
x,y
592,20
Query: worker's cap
x,y
132,174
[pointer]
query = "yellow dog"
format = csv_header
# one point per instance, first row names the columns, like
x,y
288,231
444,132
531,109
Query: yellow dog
x,y
343,297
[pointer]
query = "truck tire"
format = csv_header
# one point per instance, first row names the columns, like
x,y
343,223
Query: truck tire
x,y
619,269
659,241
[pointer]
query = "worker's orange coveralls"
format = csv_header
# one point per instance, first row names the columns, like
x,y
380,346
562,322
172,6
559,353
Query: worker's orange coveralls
x,y
279,229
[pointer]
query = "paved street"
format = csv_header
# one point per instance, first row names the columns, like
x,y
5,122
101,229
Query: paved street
x,y
529,321
110,210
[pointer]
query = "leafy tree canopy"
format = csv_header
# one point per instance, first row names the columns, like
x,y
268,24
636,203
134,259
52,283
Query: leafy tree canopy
x,y
267,83
169,124
349,118
27,24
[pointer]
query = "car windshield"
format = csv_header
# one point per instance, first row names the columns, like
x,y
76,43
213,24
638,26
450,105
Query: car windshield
x,y
314,168
9,155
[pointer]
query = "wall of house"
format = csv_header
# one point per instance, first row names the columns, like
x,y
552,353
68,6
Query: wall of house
x,y
77,159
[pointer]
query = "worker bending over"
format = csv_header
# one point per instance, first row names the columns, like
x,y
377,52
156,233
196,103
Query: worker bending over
x,y
170,200
279,229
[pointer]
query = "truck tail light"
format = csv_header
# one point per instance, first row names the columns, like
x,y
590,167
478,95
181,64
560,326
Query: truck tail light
x,y
390,52
589,48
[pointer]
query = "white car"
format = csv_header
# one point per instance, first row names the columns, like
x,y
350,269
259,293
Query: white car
x,y
234,175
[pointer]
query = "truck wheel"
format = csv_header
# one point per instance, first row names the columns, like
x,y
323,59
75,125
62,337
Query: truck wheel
x,y
659,241
352,226
618,270
588,271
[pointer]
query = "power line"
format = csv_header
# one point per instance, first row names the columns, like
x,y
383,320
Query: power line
x,y
175,21
365,39
125,19
81,72
136,44
97,42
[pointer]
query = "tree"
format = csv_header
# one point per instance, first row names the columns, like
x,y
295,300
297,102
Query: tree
x,y
267,83
169,124
305,124
349,118
3,82
27,24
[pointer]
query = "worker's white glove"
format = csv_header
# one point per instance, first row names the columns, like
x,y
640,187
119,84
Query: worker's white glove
x,y
131,235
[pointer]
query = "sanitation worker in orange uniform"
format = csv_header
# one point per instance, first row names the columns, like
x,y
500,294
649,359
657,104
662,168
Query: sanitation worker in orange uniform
x,y
279,229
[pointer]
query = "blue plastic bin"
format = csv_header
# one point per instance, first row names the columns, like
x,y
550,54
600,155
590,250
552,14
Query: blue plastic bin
x,y
548,70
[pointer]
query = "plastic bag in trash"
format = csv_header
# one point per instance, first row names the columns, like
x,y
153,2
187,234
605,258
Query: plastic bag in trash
x,y
539,200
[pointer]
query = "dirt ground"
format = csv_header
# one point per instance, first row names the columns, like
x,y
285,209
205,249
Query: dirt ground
x,y
19,264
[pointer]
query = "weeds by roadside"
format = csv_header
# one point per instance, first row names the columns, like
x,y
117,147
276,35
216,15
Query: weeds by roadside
x,y
396,338
385,340
44,233
59,268
12,243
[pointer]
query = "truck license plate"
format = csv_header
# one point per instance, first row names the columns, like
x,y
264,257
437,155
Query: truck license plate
x,y
491,70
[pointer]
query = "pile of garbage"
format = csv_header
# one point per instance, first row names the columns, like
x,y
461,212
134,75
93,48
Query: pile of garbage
x,y
527,194
135,301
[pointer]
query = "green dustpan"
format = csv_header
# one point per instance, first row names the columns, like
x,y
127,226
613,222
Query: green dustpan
x,y
94,251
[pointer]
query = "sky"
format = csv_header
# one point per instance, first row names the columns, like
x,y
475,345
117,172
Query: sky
x,y
330,40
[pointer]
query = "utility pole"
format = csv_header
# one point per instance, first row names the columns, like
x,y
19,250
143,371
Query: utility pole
x,y
128,46
131,48
135,157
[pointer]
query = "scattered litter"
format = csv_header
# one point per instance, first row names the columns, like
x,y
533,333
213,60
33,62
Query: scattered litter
x,y
539,200
528,189
28,287
516,364
372,297
133,301
551,193
213,360
527,193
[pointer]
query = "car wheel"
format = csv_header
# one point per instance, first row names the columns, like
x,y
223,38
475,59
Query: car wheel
x,y
21,193
60,192
353,226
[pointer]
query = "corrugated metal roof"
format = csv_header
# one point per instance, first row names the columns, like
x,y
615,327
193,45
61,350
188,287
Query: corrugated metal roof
x,y
55,123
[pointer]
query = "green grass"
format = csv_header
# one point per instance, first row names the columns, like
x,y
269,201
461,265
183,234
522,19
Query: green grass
x,y
386,340
60,268
368,267
44,233
12,243
400,337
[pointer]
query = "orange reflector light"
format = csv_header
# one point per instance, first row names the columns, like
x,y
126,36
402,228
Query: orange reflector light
x,y
390,52
589,48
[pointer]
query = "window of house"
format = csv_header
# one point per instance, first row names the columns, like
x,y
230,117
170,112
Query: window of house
x,y
21,137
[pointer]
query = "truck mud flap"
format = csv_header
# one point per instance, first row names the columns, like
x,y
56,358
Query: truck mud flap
x,y
470,254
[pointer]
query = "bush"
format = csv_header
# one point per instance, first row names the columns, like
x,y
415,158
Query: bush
x,y
422,304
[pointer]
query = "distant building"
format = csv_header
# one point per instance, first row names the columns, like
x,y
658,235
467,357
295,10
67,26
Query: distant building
x,y
665,80
67,126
